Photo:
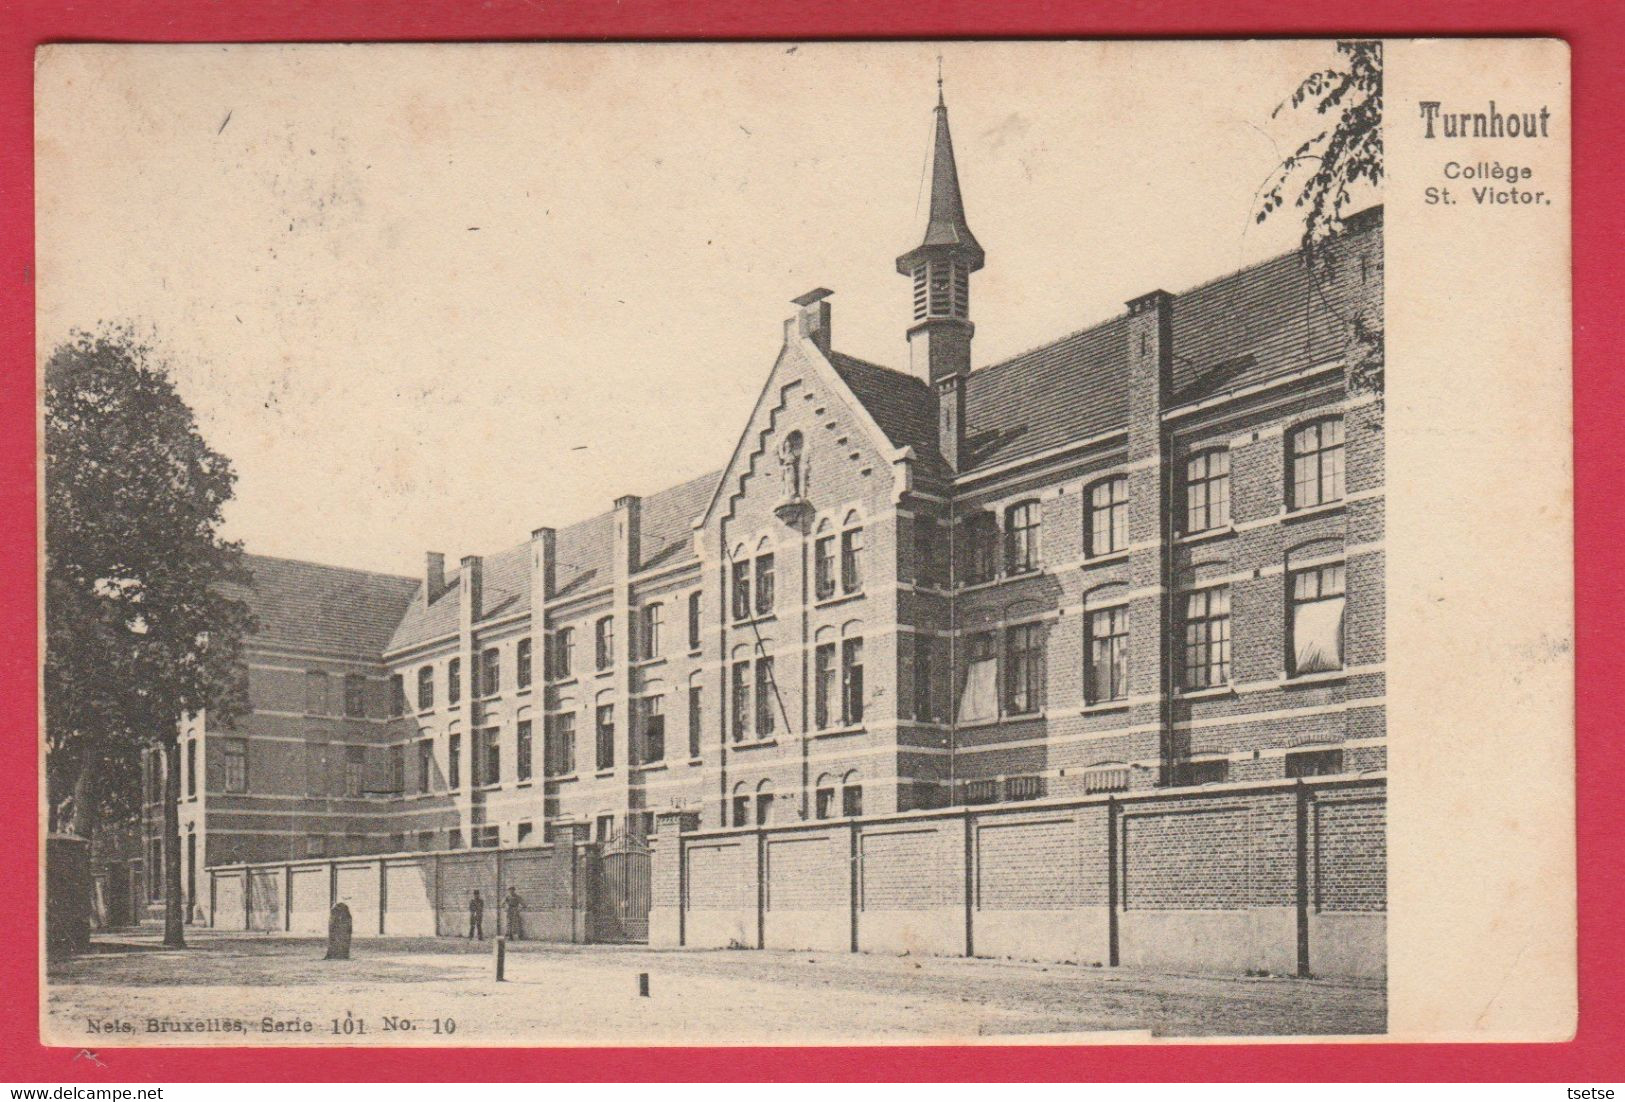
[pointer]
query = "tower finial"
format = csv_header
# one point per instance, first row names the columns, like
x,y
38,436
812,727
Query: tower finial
x,y
940,102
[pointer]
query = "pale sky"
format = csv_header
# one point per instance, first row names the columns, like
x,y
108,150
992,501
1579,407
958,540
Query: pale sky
x,y
431,298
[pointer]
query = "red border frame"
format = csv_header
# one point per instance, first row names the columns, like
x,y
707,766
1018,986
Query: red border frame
x,y
1592,27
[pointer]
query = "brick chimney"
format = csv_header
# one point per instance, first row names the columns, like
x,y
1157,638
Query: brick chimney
x,y
434,576
628,526
473,585
813,318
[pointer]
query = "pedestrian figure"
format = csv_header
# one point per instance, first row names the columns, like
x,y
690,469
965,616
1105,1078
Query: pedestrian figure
x,y
514,907
476,916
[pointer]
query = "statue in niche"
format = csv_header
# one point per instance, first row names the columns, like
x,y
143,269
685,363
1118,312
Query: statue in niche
x,y
793,468
793,473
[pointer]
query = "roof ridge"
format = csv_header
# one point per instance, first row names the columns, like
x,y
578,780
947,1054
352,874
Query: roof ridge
x,y
248,555
861,362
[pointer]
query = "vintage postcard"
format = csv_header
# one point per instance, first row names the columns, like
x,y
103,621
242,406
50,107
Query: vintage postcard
x,y
805,543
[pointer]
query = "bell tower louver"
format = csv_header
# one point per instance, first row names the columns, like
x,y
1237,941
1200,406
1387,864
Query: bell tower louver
x,y
940,267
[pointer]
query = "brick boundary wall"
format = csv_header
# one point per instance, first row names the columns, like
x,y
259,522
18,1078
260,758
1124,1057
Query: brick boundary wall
x,y
412,894
1283,877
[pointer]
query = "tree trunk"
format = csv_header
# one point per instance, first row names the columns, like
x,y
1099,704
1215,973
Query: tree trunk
x,y
84,811
174,913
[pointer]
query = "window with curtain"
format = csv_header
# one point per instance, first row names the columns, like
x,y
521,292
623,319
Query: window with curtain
x,y
1318,605
654,621
1108,516
522,662
1108,655
522,751
823,684
978,693
454,681
654,728
824,567
1207,638
740,699
852,560
604,641
1317,463
1021,537
1207,491
426,687
741,590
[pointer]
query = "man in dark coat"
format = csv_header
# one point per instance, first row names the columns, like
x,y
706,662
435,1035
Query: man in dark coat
x,y
476,916
516,919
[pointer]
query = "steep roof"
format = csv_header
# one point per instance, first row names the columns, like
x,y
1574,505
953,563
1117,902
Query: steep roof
x,y
902,405
946,229
583,559
327,608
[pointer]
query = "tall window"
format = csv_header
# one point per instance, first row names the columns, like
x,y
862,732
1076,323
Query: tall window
x,y
564,653
1108,655
454,681
1207,637
824,567
765,697
1207,491
316,693
741,805
740,698
1317,619
741,590
564,744
425,766
823,683
764,584
454,762
604,736
978,695
355,764
1023,669
1021,537
426,687
604,642
236,765
852,799
696,717
522,661
852,560
694,620
355,695
1317,463
851,682
522,751
764,804
924,684
654,617
397,769
654,728
493,755
981,547
191,767
490,672
397,694
1108,516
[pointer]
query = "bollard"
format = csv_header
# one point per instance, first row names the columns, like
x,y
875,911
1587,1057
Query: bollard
x,y
499,949
643,984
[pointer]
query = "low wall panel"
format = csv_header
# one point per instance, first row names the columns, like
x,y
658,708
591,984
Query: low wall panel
x,y
357,887
460,876
911,884
542,879
228,901
312,899
721,878
409,898
265,888
809,888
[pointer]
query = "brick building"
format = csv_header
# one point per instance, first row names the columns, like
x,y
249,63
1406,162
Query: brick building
x,y
1146,554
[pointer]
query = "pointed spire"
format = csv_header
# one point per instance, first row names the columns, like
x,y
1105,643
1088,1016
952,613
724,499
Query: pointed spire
x,y
946,231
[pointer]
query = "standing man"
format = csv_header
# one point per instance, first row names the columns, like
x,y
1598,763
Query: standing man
x,y
476,916
514,907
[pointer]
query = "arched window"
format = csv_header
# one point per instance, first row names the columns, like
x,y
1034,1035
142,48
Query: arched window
x,y
852,553
696,713
654,616
1207,490
851,794
1108,516
824,795
604,641
1316,466
426,687
1021,537
741,805
824,561
764,803
764,578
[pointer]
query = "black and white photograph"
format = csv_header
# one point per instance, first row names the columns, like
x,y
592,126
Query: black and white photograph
x,y
721,544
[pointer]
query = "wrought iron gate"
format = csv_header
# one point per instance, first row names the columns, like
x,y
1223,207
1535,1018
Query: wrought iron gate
x,y
621,891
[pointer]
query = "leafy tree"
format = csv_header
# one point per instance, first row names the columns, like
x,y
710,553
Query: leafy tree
x,y
139,632
1337,160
